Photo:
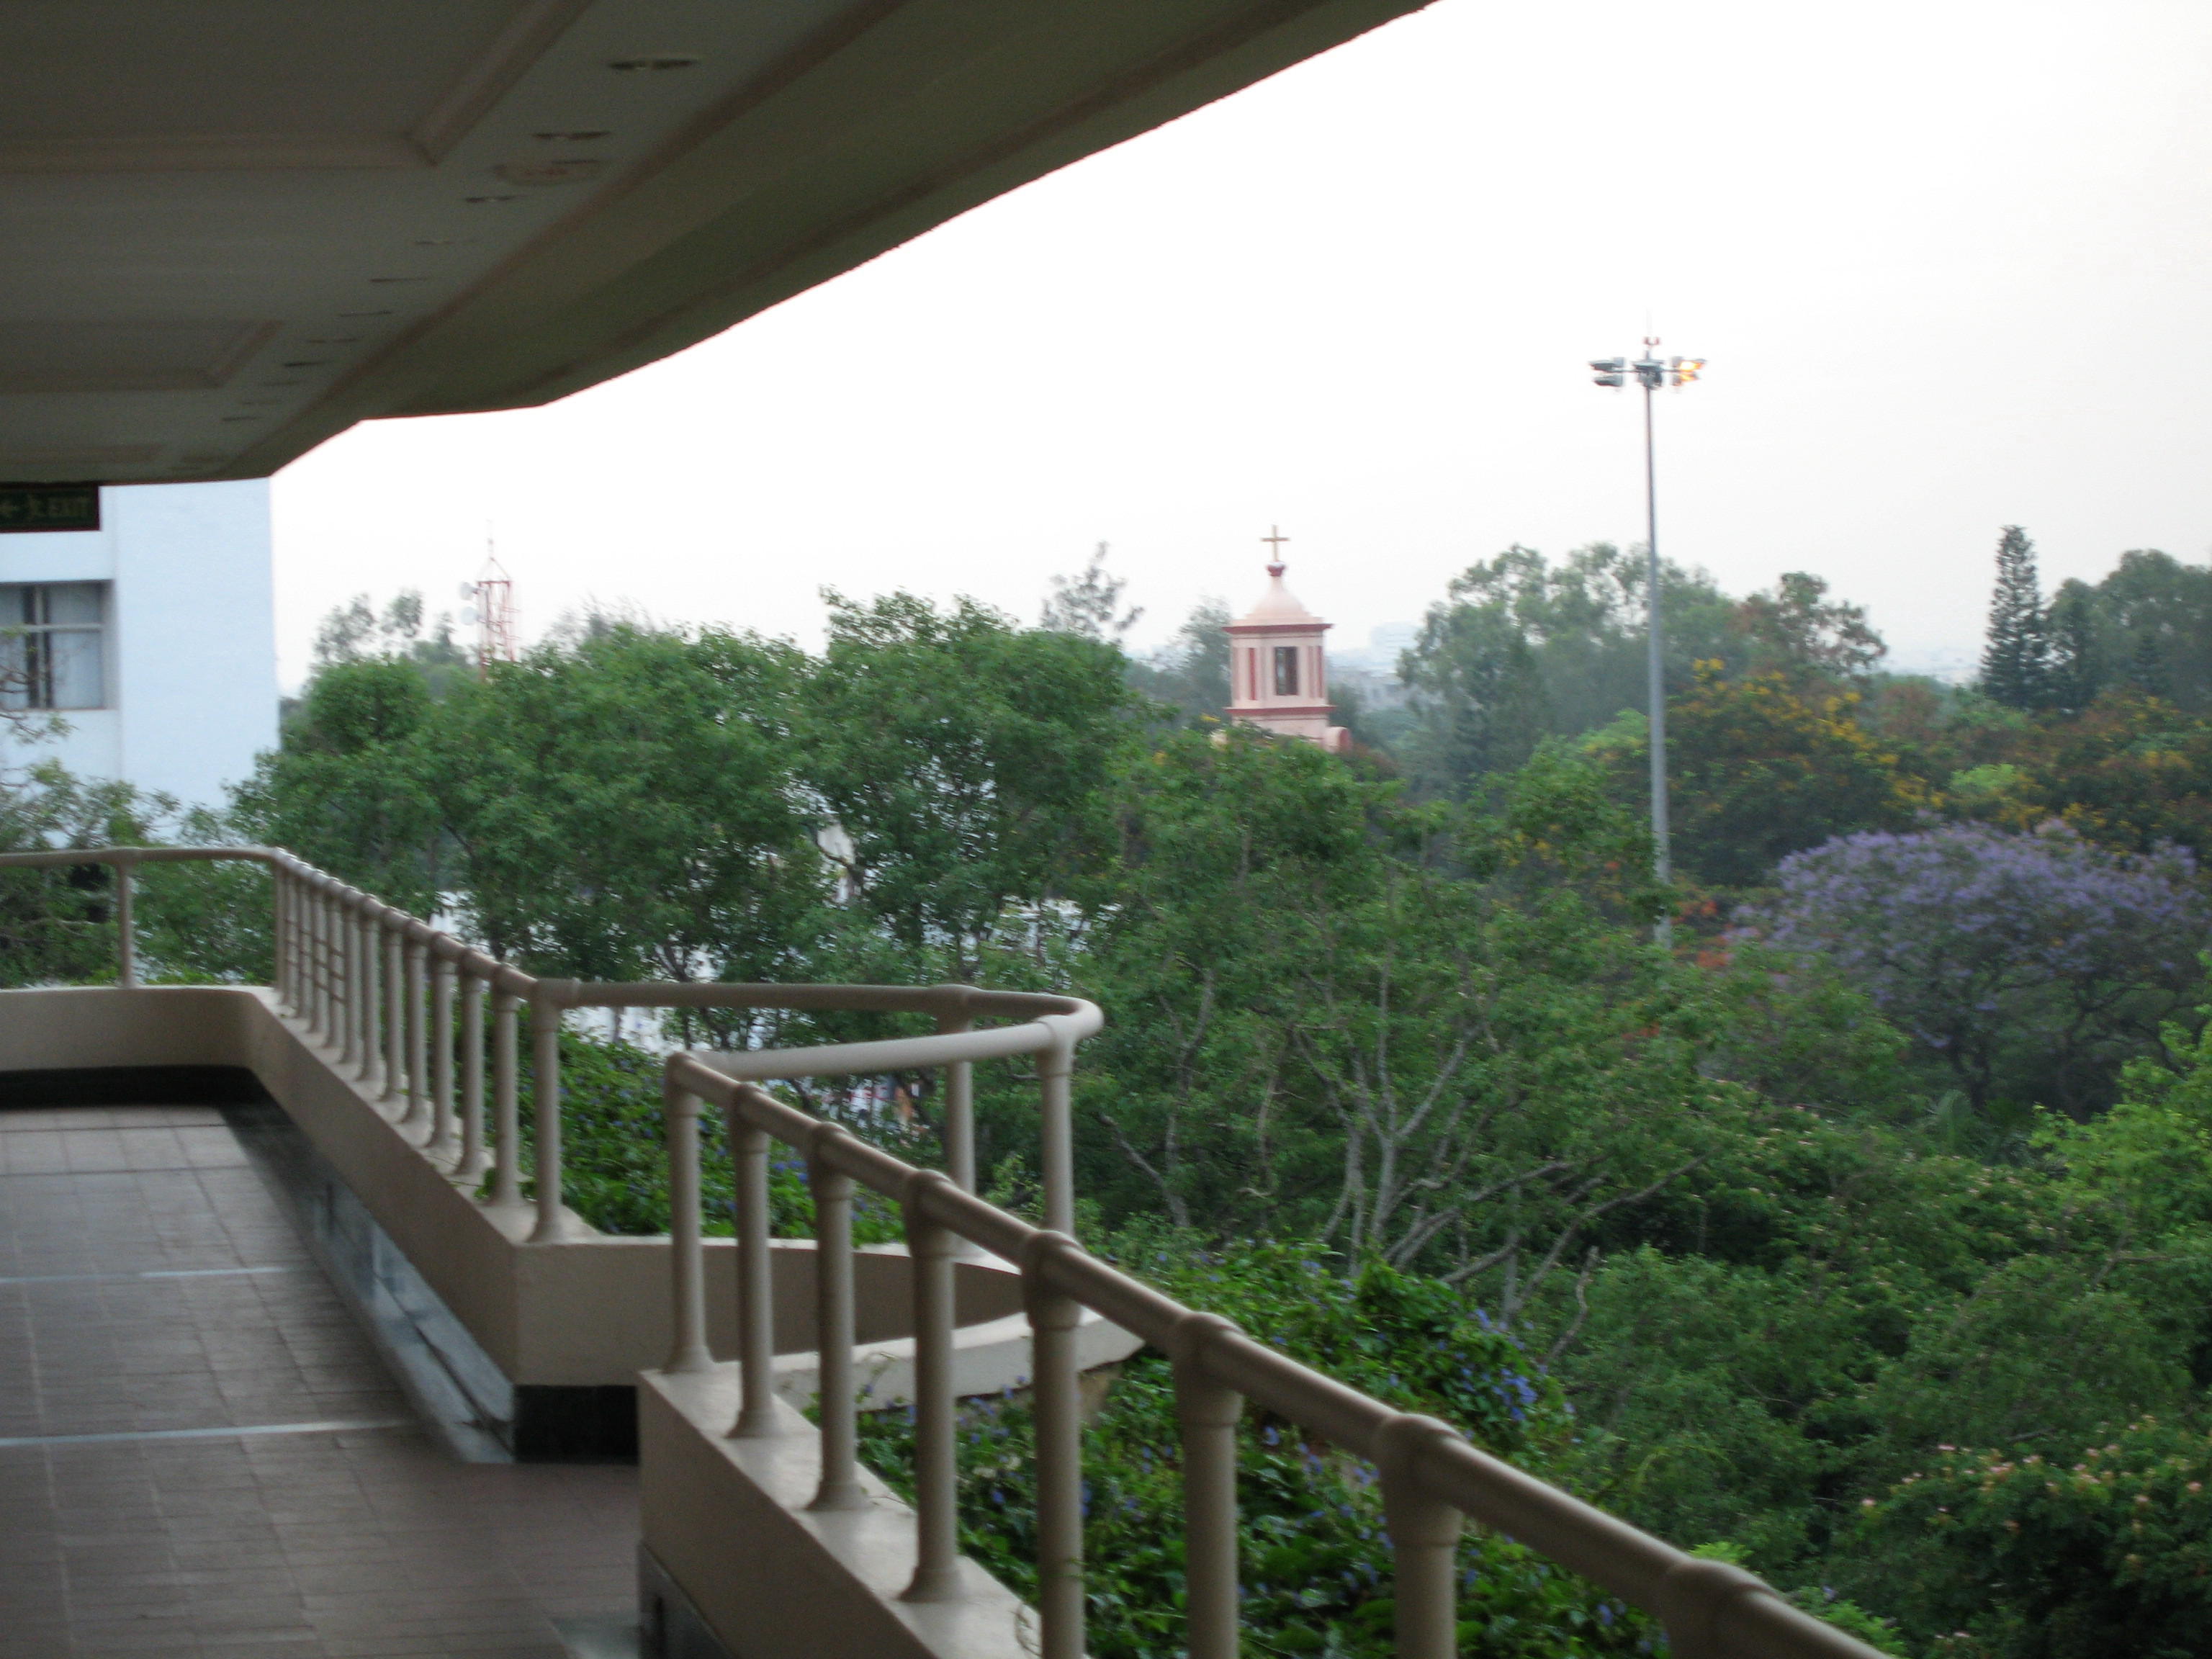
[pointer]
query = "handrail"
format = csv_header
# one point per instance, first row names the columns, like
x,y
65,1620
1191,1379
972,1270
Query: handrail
x,y
1433,1479
382,989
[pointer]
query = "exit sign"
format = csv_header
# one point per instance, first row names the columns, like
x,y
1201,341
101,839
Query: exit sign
x,y
25,508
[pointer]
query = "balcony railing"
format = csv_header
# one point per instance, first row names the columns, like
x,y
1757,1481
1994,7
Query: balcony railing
x,y
385,990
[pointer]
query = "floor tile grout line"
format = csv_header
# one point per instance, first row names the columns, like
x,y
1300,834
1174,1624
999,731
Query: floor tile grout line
x,y
133,1169
151,1273
332,1427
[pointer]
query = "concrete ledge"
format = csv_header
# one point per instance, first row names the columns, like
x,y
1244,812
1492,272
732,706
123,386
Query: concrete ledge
x,y
727,1521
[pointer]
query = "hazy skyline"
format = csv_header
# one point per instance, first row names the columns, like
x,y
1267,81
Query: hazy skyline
x,y
1944,261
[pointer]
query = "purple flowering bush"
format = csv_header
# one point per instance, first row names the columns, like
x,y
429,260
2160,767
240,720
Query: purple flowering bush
x,y
2027,968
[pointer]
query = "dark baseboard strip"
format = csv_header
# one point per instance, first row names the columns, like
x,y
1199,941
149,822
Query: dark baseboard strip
x,y
132,1085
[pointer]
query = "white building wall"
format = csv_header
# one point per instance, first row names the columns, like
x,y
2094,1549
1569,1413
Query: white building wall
x,y
191,636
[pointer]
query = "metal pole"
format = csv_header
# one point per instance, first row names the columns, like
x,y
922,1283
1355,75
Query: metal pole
x,y
1663,861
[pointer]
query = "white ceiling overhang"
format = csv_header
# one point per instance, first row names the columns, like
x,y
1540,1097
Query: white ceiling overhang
x,y
234,227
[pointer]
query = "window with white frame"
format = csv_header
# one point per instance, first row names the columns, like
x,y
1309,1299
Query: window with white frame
x,y
53,645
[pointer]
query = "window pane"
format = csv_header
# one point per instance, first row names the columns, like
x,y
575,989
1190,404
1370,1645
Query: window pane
x,y
74,601
1287,671
75,668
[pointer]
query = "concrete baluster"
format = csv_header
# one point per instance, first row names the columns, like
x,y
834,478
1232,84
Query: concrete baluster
x,y
372,998
932,1250
687,1254
350,946
1057,1411
280,962
395,1010
360,947
309,969
474,1161
417,1117
445,1142
360,979
832,1187
1207,1411
749,1149
311,948
1424,1540
287,937
545,1039
321,1025
506,1099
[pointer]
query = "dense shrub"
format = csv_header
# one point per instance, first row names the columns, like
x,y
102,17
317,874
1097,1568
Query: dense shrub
x,y
1315,1555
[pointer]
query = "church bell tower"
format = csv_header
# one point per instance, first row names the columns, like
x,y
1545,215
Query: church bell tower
x,y
1278,668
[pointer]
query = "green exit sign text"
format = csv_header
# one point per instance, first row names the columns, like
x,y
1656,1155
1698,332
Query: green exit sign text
x,y
48,506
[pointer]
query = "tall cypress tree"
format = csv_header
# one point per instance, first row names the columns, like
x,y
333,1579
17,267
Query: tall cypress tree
x,y
2017,657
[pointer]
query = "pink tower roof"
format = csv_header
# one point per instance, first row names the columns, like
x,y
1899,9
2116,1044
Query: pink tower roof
x,y
1278,608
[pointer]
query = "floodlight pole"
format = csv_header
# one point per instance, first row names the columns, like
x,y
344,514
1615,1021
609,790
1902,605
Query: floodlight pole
x,y
1651,372
1663,851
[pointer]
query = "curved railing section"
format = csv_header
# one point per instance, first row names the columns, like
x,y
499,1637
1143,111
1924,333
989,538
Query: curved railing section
x,y
387,992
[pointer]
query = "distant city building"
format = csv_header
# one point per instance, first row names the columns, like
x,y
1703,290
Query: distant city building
x,y
1371,670
1278,671
154,638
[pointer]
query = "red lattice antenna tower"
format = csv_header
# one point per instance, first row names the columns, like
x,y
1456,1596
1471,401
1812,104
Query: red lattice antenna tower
x,y
492,594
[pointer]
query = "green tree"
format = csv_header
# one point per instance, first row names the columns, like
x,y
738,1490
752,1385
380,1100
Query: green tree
x,y
2078,666
1799,632
1759,769
1320,1026
1522,649
2017,652
1190,673
57,926
2099,1551
351,786
626,807
355,632
961,759
2155,628
1089,604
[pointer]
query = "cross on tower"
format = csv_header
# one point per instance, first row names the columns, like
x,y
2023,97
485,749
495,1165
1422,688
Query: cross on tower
x,y
1275,538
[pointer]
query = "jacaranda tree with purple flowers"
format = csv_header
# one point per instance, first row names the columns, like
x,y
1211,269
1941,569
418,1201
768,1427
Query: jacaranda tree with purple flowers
x,y
2029,967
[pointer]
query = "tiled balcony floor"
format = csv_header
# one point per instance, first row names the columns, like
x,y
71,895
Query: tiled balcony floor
x,y
152,1290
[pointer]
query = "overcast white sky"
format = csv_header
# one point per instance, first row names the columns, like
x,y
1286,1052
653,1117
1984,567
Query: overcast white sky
x,y
1948,259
